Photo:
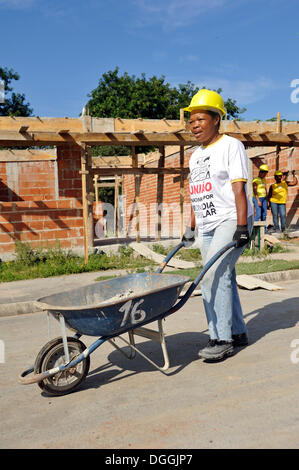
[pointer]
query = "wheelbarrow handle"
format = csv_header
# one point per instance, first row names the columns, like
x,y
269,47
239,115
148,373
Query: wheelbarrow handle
x,y
169,256
196,281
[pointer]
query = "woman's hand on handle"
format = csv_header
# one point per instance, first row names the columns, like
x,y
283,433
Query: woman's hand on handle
x,y
241,236
188,237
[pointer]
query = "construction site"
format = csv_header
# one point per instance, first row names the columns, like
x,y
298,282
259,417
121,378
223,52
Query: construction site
x,y
149,228
51,193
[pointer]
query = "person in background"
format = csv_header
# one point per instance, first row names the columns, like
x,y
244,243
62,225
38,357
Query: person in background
x,y
221,212
259,189
277,198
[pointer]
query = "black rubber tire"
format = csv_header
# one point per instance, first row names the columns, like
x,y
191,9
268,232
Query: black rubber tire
x,y
51,355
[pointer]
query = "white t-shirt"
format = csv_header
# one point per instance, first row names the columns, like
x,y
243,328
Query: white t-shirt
x,y
212,171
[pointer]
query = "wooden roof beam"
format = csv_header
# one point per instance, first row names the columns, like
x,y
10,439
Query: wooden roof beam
x,y
138,171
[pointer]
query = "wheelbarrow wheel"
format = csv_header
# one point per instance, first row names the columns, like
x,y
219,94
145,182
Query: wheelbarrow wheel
x,y
52,355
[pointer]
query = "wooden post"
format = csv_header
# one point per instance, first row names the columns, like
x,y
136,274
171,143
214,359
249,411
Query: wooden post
x,y
182,192
137,193
278,130
250,178
85,175
160,187
116,219
182,119
90,199
96,177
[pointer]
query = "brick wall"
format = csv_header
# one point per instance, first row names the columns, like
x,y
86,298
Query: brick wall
x,y
152,195
171,194
41,202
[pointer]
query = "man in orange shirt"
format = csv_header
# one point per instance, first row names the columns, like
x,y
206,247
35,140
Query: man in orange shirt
x,y
277,198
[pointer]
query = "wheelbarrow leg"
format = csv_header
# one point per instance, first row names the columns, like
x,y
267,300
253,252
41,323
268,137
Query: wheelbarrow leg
x,y
64,339
131,343
163,345
154,335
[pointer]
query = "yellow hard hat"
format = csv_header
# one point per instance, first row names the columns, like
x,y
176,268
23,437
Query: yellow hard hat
x,y
277,173
207,100
264,168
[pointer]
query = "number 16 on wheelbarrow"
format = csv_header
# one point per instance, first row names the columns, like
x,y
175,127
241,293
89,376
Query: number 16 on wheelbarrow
x,y
107,310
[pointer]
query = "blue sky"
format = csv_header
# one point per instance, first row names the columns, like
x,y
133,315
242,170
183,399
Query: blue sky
x,y
61,48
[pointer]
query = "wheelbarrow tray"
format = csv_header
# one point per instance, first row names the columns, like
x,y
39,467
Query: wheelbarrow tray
x,y
98,309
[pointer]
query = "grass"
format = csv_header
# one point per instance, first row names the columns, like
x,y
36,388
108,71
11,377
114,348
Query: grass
x,y
47,262
256,267
32,263
193,254
190,254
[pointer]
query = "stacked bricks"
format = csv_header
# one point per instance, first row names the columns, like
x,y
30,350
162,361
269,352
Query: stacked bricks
x,y
293,191
41,201
3,182
47,206
169,195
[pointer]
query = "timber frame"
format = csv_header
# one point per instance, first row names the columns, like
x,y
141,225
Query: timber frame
x,y
88,131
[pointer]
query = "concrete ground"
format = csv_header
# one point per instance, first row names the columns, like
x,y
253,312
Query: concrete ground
x,y
17,297
247,401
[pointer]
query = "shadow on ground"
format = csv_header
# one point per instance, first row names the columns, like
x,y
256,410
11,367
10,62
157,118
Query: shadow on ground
x,y
183,347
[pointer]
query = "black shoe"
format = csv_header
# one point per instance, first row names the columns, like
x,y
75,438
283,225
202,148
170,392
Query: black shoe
x,y
240,340
210,344
216,350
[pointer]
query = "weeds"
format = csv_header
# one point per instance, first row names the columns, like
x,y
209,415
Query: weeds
x,y
32,263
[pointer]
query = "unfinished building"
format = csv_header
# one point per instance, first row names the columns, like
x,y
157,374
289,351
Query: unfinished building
x,y
49,179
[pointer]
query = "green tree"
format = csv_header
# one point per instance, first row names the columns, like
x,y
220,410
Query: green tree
x,y
14,103
128,97
131,97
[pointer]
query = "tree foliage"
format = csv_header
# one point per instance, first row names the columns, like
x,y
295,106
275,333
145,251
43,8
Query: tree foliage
x,y
14,103
132,97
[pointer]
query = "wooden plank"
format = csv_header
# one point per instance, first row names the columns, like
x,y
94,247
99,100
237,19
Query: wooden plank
x,y
84,163
158,125
182,190
271,239
51,138
116,208
47,131
251,283
117,161
255,152
92,124
96,185
25,155
160,189
38,124
138,171
11,138
137,192
101,124
145,251
258,127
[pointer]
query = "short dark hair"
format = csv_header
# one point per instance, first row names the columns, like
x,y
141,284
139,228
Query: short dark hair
x,y
214,115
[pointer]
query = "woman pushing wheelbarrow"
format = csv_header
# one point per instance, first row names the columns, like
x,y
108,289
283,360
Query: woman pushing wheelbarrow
x,y
220,212
108,309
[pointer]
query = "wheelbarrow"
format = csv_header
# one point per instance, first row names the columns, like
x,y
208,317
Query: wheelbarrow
x,y
108,309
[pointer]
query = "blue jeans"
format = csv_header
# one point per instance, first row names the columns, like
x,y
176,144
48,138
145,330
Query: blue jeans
x,y
260,212
219,286
279,210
